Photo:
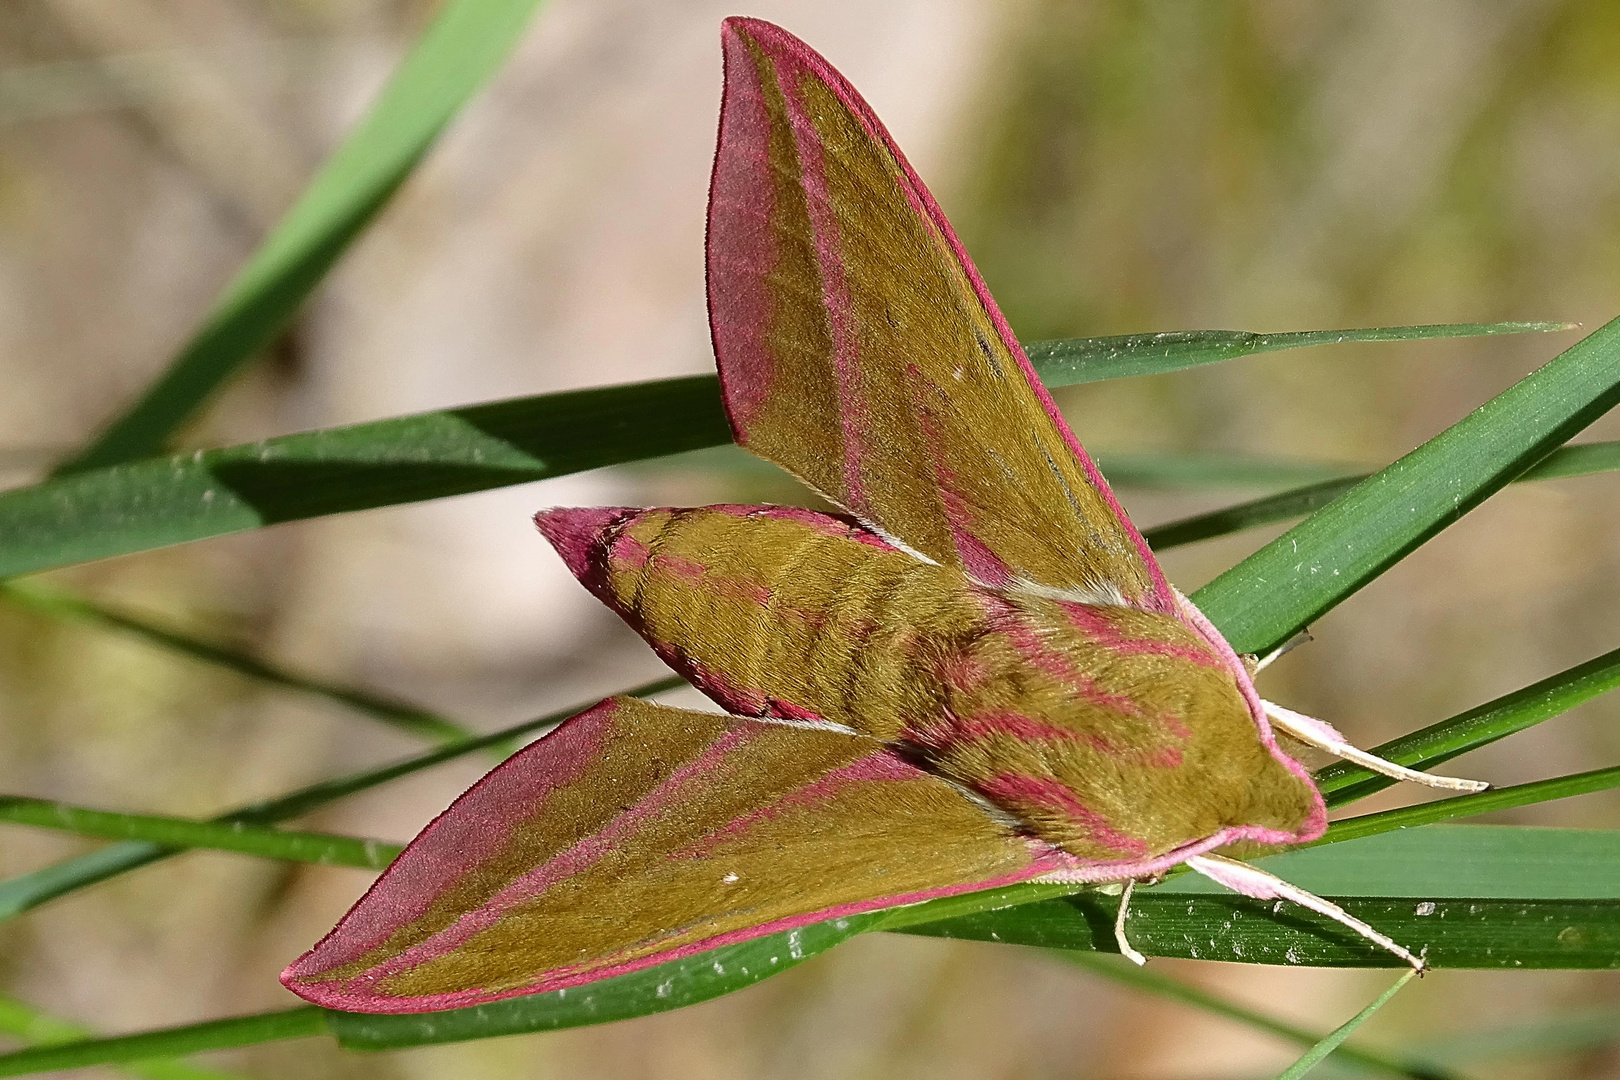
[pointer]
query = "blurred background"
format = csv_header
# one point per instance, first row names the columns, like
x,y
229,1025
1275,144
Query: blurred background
x,y
1114,166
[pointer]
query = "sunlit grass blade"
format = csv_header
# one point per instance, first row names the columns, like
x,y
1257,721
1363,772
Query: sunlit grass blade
x,y
1198,470
154,503
1160,985
61,604
1083,360
1343,783
1265,599
450,61
26,891
37,1028
238,836
170,1042
1566,461
1484,933
1447,861
1484,802
1314,1056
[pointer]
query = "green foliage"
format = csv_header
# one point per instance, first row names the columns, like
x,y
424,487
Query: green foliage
x,y
1476,896
453,58
1314,1056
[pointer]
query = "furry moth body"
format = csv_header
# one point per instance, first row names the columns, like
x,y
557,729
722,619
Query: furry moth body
x,y
976,677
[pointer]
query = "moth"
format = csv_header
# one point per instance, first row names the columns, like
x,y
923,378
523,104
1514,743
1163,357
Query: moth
x,y
978,675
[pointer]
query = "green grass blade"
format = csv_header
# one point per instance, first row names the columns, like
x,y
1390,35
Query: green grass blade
x,y
60,604
1343,783
1083,360
1314,1056
155,503
1152,982
1582,460
26,891
1205,469
1269,596
1447,861
296,1023
148,504
238,836
1476,933
40,1029
1484,802
452,59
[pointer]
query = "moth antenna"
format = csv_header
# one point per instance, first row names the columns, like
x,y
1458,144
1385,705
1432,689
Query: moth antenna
x,y
1251,881
1286,647
1125,948
1313,732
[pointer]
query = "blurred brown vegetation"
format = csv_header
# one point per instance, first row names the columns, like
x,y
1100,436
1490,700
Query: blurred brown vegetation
x,y
1115,166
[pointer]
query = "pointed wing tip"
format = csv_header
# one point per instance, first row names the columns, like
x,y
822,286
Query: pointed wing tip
x,y
575,530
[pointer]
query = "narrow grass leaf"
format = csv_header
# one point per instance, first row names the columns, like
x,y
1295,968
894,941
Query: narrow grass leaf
x,y
452,59
1313,1057
153,503
1265,599
241,837
1447,861
1159,985
1343,783
26,891
38,1028
60,604
169,1042
1580,460
1484,802
1082,360
1482,933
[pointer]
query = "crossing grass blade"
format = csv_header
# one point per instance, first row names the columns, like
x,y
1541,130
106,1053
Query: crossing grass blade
x,y
1580,460
170,1042
60,604
37,1028
1314,1056
452,59
1262,601
1160,985
27,891
124,508
1343,783
1484,802
237,836
1085,360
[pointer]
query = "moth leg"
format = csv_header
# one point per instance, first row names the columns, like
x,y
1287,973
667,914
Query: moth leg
x,y
1124,943
1288,646
1251,881
1313,732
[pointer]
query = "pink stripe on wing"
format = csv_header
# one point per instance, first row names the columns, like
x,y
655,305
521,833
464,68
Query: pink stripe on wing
x,y
1100,630
846,358
473,829
581,856
741,204
1011,789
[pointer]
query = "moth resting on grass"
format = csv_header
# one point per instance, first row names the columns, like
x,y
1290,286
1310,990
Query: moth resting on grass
x,y
980,676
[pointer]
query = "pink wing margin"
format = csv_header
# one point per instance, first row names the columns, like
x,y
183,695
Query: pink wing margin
x,y
502,853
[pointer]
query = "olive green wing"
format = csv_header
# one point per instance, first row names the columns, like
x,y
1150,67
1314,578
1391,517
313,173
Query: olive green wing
x,y
860,350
